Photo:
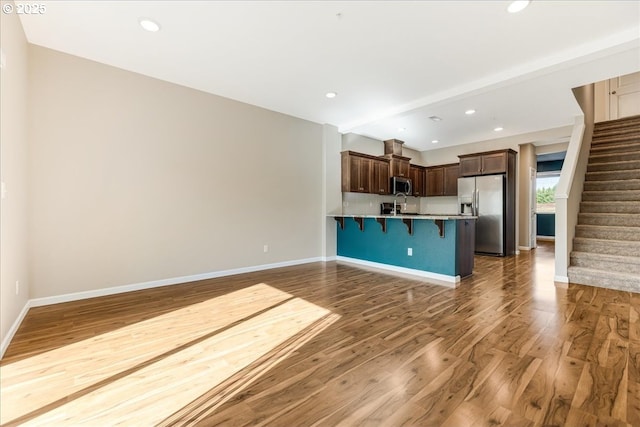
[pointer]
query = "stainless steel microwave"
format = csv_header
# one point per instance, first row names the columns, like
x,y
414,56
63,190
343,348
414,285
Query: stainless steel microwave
x,y
400,184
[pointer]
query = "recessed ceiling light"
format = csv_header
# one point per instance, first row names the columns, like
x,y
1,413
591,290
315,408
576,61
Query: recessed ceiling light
x,y
331,94
149,24
498,129
435,141
436,118
518,5
401,129
470,112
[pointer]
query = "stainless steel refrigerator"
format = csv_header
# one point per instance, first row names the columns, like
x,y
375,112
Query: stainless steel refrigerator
x,y
484,196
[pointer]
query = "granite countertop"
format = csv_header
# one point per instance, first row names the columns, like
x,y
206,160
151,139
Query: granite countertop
x,y
408,216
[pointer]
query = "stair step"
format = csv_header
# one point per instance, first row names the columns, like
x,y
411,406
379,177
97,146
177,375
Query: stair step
x,y
608,232
630,207
614,157
611,195
614,147
612,185
612,175
620,165
617,263
604,279
623,123
603,246
626,138
610,219
616,131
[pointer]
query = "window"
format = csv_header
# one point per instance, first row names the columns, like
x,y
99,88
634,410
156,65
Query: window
x,y
546,183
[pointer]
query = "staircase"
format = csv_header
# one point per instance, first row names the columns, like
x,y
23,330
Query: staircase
x,y
606,247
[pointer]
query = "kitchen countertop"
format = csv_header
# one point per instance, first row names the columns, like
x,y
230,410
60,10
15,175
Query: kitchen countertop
x,y
408,216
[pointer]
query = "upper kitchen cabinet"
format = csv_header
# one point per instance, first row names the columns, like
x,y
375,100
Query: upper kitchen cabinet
x,y
435,181
491,162
399,165
380,176
443,180
418,180
356,172
362,173
451,175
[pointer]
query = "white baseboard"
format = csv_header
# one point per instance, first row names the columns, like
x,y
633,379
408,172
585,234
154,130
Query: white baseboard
x,y
445,280
524,248
56,299
561,279
329,258
546,238
14,328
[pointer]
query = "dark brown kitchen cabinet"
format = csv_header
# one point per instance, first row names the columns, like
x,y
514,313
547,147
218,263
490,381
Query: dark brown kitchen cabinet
x,y
418,178
380,176
488,163
363,173
399,165
356,172
442,180
451,175
435,181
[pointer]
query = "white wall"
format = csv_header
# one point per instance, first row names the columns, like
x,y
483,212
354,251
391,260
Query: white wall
x,y
375,147
136,179
13,155
552,148
332,191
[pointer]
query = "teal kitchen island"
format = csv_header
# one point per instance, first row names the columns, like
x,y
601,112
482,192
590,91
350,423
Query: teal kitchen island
x,y
439,247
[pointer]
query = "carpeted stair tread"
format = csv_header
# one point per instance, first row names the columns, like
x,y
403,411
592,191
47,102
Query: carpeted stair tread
x,y
630,164
613,219
608,232
618,263
614,157
606,246
618,124
612,175
623,206
613,184
614,148
611,195
606,279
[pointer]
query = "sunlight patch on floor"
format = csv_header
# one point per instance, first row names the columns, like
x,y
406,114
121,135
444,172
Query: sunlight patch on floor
x,y
142,373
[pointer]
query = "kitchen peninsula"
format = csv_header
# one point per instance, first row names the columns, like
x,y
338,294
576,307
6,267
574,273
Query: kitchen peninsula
x,y
439,247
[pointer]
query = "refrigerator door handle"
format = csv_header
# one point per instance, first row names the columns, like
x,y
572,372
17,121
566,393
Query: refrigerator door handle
x,y
476,202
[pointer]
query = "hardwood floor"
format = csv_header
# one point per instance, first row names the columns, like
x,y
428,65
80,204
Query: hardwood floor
x,y
334,345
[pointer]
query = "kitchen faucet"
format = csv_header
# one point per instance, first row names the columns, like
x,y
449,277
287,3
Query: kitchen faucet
x,y
395,204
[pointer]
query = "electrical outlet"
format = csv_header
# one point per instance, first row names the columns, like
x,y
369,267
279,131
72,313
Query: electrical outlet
x,y
265,248
17,287
410,251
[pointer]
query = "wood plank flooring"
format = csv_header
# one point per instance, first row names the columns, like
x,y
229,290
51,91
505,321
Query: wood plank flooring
x,y
334,345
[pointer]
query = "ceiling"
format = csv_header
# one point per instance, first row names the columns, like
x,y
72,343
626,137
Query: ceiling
x,y
393,64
